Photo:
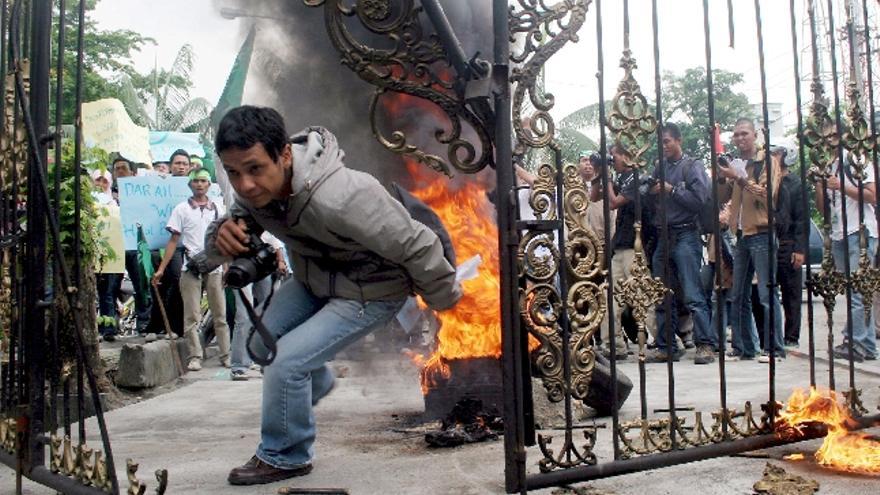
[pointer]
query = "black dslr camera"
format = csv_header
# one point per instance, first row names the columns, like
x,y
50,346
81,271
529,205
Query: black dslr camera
x,y
601,161
259,262
646,183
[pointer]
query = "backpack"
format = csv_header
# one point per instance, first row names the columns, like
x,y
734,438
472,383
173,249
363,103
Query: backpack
x,y
422,213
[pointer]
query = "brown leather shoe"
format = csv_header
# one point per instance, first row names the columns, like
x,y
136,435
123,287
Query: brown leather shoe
x,y
257,472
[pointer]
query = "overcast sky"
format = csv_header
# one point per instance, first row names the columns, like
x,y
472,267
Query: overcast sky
x,y
172,23
571,73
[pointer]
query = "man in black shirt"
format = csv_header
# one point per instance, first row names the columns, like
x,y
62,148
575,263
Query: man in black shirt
x,y
622,198
790,226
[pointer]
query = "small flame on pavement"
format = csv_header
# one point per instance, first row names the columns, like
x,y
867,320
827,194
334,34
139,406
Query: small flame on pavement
x,y
842,449
794,457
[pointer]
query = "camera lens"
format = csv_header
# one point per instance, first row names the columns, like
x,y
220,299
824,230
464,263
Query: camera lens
x,y
241,272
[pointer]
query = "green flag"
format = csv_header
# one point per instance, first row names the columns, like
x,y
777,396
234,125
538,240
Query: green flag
x,y
234,89
145,262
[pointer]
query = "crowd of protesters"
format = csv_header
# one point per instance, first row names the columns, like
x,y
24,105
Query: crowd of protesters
x,y
678,236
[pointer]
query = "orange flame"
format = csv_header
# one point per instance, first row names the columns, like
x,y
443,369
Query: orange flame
x,y
471,329
841,449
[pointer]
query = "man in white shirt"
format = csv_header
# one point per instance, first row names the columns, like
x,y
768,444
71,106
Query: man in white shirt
x,y
846,195
188,223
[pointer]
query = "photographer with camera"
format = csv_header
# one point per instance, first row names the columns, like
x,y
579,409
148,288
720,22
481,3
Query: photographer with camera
x,y
685,187
188,223
357,254
621,198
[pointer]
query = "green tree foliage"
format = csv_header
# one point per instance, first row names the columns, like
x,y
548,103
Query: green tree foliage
x,y
94,251
106,57
685,102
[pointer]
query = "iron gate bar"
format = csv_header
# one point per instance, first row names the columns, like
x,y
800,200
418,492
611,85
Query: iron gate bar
x,y
450,42
871,109
9,235
513,369
53,331
675,457
869,66
769,319
606,213
76,302
664,229
564,321
820,139
720,329
38,204
805,197
847,269
863,280
842,177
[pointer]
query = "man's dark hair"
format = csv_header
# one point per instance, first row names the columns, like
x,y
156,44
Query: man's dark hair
x,y
180,152
128,163
745,120
671,129
245,126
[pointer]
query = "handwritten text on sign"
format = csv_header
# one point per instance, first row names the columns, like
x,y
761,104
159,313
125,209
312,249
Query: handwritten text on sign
x,y
148,201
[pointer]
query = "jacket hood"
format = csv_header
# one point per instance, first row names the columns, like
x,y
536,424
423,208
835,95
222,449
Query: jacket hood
x,y
316,156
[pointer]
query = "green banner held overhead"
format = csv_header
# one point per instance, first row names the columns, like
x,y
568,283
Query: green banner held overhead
x,y
234,89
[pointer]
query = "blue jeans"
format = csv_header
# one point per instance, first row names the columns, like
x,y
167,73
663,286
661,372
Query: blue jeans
x,y
256,293
685,258
750,258
864,338
310,331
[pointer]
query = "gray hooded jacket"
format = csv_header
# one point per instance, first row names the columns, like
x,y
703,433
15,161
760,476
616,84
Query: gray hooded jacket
x,y
346,235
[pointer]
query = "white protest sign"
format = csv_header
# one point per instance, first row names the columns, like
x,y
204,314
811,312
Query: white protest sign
x,y
106,125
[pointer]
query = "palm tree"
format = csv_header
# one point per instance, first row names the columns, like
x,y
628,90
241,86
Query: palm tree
x,y
161,101
570,131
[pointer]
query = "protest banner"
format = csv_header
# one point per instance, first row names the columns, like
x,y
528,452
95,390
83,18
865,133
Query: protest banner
x,y
106,125
109,216
163,143
148,200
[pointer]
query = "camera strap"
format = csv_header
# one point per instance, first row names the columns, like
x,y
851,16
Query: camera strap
x,y
257,326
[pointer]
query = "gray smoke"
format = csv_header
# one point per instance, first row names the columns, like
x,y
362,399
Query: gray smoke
x,y
296,69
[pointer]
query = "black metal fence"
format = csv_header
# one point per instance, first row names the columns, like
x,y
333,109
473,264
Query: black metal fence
x,y
565,285
48,387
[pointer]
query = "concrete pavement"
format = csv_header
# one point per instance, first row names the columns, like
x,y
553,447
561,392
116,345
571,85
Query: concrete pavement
x,y
371,437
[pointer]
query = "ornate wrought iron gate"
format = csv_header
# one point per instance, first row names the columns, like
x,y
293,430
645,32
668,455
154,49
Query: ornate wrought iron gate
x,y
557,275
556,286
48,388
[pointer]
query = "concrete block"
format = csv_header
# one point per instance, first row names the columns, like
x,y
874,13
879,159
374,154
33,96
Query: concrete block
x,y
147,365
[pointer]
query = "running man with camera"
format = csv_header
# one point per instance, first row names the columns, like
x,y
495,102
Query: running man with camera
x,y
356,252
188,223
